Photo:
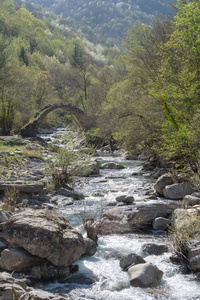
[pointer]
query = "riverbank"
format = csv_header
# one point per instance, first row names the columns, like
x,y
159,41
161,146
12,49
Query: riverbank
x,y
119,194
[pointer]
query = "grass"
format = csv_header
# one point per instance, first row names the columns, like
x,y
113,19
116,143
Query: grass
x,y
10,198
11,147
184,230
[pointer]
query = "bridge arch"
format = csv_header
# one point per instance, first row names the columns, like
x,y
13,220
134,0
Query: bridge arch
x,y
32,128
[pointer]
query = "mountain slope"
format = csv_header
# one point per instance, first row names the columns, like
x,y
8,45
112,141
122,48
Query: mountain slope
x,y
110,19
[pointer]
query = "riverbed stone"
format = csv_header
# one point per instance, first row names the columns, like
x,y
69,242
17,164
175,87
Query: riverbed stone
x,y
144,275
45,234
193,249
4,216
161,223
46,271
191,199
125,199
33,187
70,193
111,166
162,182
194,263
11,288
90,247
126,220
178,191
130,260
3,246
48,206
152,248
17,259
41,295
91,169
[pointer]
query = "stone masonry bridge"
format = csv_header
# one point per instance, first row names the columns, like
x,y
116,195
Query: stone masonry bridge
x,y
32,128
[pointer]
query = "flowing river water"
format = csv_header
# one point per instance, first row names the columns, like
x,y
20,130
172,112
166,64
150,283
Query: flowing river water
x,y
100,277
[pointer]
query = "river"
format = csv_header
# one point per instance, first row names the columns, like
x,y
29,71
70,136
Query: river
x,y
100,276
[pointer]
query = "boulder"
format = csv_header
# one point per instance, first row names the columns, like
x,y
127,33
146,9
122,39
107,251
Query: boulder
x,y
11,288
158,173
194,263
10,291
47,271
91,169
193,249
191,199
70,193
17,259
126,220
111,166
162,182
161,223
45,234
3,246
90,247
4,216
130,260
178,191
41,295
34,187
144,275
62,201
48,206
125,199
151,248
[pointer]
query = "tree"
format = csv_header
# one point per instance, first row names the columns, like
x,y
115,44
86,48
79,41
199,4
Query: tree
x,y
81,74
177,84
23,56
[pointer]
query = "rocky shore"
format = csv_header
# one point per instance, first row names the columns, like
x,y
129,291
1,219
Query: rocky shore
x,y
37,243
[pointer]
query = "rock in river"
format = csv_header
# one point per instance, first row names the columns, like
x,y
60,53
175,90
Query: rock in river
x,y
119,221
45,234
144,275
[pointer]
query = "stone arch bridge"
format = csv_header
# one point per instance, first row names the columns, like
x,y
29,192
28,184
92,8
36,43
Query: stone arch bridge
x,y
32,128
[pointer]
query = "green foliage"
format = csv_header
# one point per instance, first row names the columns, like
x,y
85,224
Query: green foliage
x,y
23,56
7,113
109,19
11,196
69,161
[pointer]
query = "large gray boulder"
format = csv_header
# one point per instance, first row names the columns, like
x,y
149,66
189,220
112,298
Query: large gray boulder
x,y
192,199
17,259
178,191
152,248
144,275
194,263
125,199
161,223
126,220
45,234
48,271
162,181
90,247
130,260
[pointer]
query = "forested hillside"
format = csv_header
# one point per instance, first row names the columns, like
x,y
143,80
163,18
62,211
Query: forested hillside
x,y
43,62
109,19
145,97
